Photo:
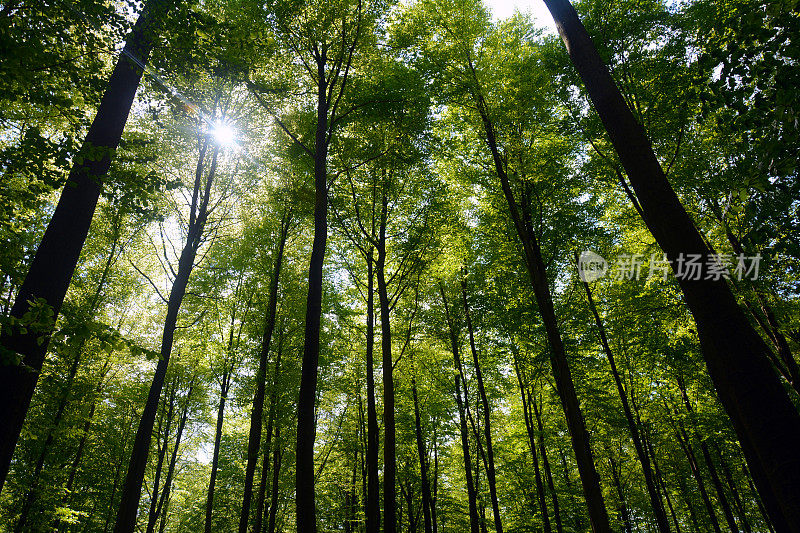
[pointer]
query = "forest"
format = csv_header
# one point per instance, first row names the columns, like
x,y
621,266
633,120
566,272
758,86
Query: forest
x,y
389,266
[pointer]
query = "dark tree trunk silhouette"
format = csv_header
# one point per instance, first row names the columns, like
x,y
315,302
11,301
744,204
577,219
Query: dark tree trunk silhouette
x,y
306,403
373,504
526,412
166,419
268,444
132,488
163,500
224,387
461,401
423,457
52,267
623,507
652,490
548,473
565,387
765,420
737,500
257,413
491,476
276,472
389,442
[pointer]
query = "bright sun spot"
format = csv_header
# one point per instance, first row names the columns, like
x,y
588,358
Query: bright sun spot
x,y
224,134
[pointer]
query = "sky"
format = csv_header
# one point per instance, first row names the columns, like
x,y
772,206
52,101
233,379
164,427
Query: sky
x,y
505,8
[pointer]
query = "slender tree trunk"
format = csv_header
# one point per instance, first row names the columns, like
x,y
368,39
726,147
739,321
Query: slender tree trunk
x,y
765,420
257,413
737,501
548,474
33,489
212,481
490,471
652,490
526,411
162,501
52,267
373,507
162,450
132,488
756,497
273,406
623,507
306,514
423,456
389,442
117,473
471,493
657,473
686,446
712,470
435,495
581,445
276,470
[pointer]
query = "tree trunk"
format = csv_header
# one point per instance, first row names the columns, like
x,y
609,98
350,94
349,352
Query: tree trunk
x,y
490,471
257,414
373,507
737,501
565,387
686,446
273,406
623,508
212,481
548,474
765,420
389,443
52,267
526,411
652,491
276,470
423,456
132,488
162,501
306,514
473,507
162,450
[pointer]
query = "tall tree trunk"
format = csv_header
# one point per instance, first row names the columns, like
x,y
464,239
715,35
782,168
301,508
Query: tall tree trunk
x,y
273,407
657,471
765,420
623,507
548,473
737,501
373,507
389,442
276,471
526,411
257,413
132,488
162,501
52,267
683,440
471,493
162,449
435,491
490,471
652,490
712,470
306,513
423,455
532,254
212,481
756,497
